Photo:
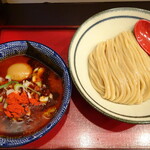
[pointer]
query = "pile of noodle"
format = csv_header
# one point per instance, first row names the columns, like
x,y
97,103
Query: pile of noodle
x,y
119,70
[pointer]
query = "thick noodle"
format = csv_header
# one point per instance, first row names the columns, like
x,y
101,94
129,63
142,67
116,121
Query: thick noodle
x,y
119,70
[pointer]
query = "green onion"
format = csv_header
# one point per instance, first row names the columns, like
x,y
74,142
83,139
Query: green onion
x,y
7,84
18,85
39,83
1,99
8,77
33,90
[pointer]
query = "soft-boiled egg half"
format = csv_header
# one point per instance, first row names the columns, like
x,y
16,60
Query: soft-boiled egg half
x,y
19,71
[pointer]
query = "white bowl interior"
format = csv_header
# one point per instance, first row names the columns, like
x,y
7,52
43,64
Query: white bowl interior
x,y
98,28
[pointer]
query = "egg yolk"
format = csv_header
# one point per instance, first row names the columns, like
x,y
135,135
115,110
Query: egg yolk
x,y
19,71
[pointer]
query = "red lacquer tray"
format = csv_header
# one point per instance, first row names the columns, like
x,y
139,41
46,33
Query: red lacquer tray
x,y
82,126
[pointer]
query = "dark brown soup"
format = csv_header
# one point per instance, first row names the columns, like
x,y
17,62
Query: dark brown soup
x,y
30,95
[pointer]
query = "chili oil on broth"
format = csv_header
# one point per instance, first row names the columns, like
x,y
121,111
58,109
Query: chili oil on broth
x,y
39,115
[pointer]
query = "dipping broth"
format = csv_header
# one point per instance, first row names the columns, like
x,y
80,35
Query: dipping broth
x,y
30,95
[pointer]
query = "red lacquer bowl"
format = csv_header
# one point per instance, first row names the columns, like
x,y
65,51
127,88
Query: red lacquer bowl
x,y
142,34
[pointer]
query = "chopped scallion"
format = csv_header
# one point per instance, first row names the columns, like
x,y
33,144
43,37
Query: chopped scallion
x,y
17,86
1,99
7,84
8,77
33,90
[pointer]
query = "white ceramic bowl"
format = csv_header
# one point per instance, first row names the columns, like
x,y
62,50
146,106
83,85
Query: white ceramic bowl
x,y
101,27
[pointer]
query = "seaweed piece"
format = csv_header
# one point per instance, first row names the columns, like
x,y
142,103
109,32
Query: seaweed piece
x,y
33,52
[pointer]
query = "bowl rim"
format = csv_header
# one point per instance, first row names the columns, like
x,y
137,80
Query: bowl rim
x,y
6,142
70,64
